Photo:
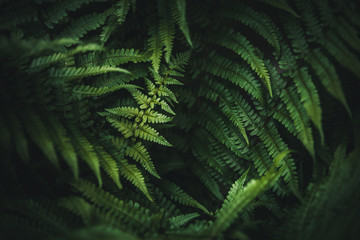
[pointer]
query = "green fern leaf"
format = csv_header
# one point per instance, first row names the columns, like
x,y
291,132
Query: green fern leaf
x,y
240,45
82,91
178,12
132,212
134,175
42,62
309,97
150,134
139,153
237,187
81,72
124,126
117,57
207,179
257,21
109,164
341,53
166,27
240,197
164,91
85,24
152,116
180,220
86,151
155,47
78,206
165,106
64,145
300,119
40,135
179,195
143,100
348,33
122,8
107,30
58,11
127,112
328,76
233,72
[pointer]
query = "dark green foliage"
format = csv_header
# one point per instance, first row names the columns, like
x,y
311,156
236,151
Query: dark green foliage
x,y
174,119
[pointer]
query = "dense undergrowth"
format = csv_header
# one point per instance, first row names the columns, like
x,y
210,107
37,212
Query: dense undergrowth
x,y
179,119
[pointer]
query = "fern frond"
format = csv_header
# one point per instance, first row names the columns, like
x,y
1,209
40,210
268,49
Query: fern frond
x,y
207,179
85,24
301,120
117,57
180,220
240,45
341,53
41,137
309,17
63,143
124,126
130,212
296,34
261,159
237,187
122,9
164,91
139,153
348,33
257,21
85,150
309,97
143,100
327,74
240,198
166,27
83,91
152,116
134,175
165,106
233,72
179,195
211,121
155,47
178,12
42,62
81,72
150,134
107,30
109,163
178,62
127,112
78,206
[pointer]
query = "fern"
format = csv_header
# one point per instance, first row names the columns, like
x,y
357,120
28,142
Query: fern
x,y
240,45
133,174
183,99
257,21
86,151
177,194
122,56
238,198
328,76
140,154
83,72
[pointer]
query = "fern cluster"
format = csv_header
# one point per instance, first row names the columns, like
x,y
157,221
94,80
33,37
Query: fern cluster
x,y
178,119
